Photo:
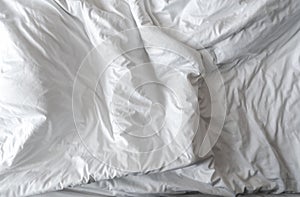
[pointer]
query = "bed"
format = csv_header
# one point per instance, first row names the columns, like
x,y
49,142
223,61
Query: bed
x,y
153,98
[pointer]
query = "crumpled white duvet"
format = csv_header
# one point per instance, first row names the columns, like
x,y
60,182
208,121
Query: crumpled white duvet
x,y
149,97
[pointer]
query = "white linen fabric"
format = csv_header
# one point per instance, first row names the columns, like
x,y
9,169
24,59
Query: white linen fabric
x,y
149,97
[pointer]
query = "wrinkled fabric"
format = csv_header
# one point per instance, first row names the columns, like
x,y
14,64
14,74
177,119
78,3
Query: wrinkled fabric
x,y
51,138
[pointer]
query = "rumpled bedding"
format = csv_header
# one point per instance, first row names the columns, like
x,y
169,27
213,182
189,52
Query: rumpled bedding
x,y
149,97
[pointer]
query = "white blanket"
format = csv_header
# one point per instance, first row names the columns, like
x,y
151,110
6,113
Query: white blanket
x,y
149,97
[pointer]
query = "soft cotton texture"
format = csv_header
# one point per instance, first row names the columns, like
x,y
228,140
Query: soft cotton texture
x,y
45,146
